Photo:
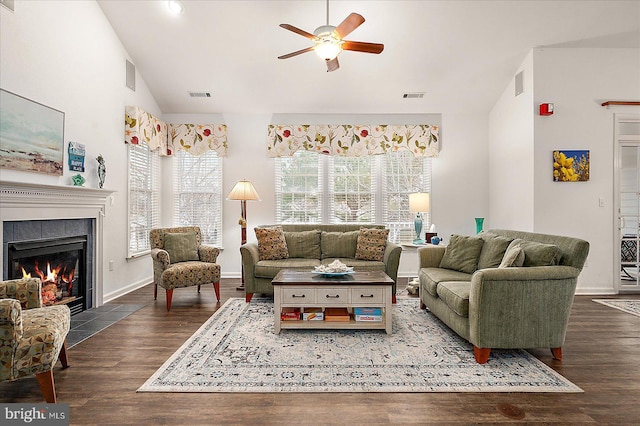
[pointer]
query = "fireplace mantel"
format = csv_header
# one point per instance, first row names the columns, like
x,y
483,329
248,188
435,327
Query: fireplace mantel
x,y
28,201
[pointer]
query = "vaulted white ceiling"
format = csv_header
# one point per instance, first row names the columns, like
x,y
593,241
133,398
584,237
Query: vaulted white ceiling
x,y
461,54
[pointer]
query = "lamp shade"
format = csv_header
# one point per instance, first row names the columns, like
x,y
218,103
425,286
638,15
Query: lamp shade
x,y
419,202
243,190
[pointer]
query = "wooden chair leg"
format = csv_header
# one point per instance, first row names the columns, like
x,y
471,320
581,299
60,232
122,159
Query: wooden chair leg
x,y
198,288
481,354
155,291
169,297
557,353
64,357
422,305
393,299
248,296
216,288
47,387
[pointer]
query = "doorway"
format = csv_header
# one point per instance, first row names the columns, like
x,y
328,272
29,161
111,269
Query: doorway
x,y
627,182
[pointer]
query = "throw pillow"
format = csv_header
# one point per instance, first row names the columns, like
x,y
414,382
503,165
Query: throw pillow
x,y
493,250
304,244
371,244
339,244
462,254
271,243
538,254
181,246
513,257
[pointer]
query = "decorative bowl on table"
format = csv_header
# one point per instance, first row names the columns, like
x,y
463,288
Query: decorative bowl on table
x,y
334,269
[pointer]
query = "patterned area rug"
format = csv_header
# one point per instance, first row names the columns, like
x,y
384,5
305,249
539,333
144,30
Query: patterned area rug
x,y
629,306
236,350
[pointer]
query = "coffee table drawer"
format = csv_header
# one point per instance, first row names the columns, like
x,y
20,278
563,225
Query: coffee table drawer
x,y
298,295
367,295
330,296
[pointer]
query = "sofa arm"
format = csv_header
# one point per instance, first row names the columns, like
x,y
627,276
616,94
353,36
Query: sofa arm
x,y
10,335
430,256
250,256
160,257
521,307
28,291
208,253
391,259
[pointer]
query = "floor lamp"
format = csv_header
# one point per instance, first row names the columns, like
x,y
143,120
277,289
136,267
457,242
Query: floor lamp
x,y
243,191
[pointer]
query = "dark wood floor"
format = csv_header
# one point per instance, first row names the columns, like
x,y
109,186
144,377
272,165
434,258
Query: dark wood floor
x,y
601,355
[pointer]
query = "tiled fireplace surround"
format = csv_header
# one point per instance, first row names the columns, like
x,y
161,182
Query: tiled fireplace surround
x,y
36,211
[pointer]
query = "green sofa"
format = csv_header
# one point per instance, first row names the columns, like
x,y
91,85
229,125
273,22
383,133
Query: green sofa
x,y
310,245
505,307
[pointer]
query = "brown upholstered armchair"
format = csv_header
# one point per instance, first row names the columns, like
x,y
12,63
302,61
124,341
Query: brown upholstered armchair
x,y
180,260
32,337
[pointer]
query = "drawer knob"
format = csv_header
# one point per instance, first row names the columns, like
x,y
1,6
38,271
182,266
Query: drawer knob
x,y
295,295
366,295
337,296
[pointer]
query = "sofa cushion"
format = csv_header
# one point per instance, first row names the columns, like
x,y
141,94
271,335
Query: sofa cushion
x,y
456,295
270,268
462,253
430,277
493,250
339,244
513,257
371,244
181,246
304,244
271,243
538,254
357,264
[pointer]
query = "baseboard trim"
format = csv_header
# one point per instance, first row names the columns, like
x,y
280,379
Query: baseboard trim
x,y
125,290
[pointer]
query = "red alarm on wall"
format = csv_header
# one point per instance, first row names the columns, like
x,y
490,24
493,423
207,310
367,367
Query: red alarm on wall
x,y
546,109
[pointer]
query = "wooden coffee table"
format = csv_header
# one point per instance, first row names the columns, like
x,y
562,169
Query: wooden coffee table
x,y
297,289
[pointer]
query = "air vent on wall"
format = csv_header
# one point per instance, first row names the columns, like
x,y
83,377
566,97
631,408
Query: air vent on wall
x,y
519,84
414,95
200,94
131,76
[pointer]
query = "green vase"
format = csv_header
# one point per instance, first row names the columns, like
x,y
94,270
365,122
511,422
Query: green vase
x,y
479,223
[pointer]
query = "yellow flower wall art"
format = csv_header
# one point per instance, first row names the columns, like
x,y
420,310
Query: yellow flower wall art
x,y
570,166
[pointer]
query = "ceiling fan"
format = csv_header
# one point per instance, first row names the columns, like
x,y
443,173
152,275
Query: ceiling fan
x,y
329,40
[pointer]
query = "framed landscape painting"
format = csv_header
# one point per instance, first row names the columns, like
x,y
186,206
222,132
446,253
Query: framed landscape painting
x,y
571,166
31,135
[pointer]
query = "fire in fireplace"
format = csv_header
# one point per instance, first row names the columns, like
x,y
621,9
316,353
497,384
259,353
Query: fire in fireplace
x,y
58,263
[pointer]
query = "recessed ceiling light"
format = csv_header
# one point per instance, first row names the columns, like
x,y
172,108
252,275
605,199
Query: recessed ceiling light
x,y
175,7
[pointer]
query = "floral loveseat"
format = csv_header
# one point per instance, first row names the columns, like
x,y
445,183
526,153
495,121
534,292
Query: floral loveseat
x,y
503,289
309,245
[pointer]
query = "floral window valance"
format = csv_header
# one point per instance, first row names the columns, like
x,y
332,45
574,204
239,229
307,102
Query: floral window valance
x,y
193,138
198,138
142,126
353,140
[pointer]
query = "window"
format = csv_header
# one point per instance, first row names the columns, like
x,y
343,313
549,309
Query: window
x,y
197,187
313,188
144,196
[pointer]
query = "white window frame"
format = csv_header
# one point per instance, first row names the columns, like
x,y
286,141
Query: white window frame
x,y
199,178
143,190
388,190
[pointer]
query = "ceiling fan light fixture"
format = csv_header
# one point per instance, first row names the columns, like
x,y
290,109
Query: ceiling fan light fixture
x,y
328,49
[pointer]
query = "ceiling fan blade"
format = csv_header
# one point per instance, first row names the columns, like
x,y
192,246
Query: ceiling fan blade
x,y
332,64
296,53
361,46
350,23
298,31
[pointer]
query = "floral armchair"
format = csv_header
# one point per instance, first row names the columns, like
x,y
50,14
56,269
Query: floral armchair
x,y
32,337
180,260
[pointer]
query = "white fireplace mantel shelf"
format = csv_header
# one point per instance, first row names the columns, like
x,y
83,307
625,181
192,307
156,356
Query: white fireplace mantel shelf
x,y
30,201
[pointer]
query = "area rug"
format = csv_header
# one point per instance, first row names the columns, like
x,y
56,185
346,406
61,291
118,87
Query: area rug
x,y
236,350
629,306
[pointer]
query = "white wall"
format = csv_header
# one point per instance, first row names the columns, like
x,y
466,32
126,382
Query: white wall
x,y
511,145
577,81
65,54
